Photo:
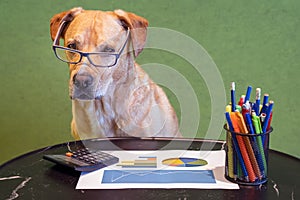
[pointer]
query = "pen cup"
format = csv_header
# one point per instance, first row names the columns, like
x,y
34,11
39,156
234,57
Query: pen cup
x,y
247,157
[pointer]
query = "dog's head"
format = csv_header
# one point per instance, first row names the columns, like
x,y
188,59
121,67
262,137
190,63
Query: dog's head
x,y
97,46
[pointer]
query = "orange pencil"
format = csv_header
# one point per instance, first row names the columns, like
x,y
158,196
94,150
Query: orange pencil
x,y
243,129
242,146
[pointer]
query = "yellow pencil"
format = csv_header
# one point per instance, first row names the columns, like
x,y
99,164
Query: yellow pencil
x,y
230,155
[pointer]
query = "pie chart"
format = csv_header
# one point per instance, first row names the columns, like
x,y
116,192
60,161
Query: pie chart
x,y
184,162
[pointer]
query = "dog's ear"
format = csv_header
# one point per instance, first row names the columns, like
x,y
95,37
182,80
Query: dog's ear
x,y
138,29
56,20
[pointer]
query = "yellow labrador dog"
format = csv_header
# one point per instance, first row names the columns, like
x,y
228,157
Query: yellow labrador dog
x,y
111,95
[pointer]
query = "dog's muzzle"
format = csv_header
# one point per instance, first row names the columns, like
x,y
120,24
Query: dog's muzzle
x,y
83,84
82,87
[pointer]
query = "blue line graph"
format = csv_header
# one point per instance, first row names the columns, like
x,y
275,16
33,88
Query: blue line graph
x,y
158,176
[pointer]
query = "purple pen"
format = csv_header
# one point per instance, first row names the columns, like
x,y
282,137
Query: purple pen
x,y
257,100
233,103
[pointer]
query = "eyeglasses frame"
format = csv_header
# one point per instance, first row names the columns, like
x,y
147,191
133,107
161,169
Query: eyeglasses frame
x,y
56,45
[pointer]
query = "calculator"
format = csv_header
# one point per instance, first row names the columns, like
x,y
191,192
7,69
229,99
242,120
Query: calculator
x,y
84,159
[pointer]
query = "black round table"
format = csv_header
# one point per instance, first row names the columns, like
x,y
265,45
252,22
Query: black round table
x,y
31,177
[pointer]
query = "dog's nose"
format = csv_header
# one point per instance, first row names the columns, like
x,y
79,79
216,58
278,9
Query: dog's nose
x,y
82,81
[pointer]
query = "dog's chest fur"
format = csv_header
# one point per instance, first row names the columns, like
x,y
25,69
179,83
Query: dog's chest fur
x,y
101,121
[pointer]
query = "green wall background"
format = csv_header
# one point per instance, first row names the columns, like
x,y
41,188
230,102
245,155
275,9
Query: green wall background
x,y
252,43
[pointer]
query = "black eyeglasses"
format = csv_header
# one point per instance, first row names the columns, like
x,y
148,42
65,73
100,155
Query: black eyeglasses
x,y
72,56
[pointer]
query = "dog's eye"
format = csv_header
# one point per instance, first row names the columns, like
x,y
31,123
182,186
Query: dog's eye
x,y
72,45
109,49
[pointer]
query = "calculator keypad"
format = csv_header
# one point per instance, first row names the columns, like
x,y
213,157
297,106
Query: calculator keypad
x,y
83,159
90,156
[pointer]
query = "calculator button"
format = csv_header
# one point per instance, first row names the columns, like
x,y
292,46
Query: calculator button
x,y
69,154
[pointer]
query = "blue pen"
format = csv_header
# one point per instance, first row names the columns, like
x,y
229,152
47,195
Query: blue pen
x,y
247,97
268,114
233,103
236,146
255,144
249,123
265,104
235,164
257,102
266,121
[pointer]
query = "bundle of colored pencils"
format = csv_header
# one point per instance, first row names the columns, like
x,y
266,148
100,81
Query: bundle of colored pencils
x,y
248,127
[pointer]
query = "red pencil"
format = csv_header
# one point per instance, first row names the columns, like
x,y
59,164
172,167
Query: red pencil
x,y
270,121
241,101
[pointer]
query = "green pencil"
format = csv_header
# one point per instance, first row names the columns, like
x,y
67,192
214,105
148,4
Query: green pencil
x,y
258,130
